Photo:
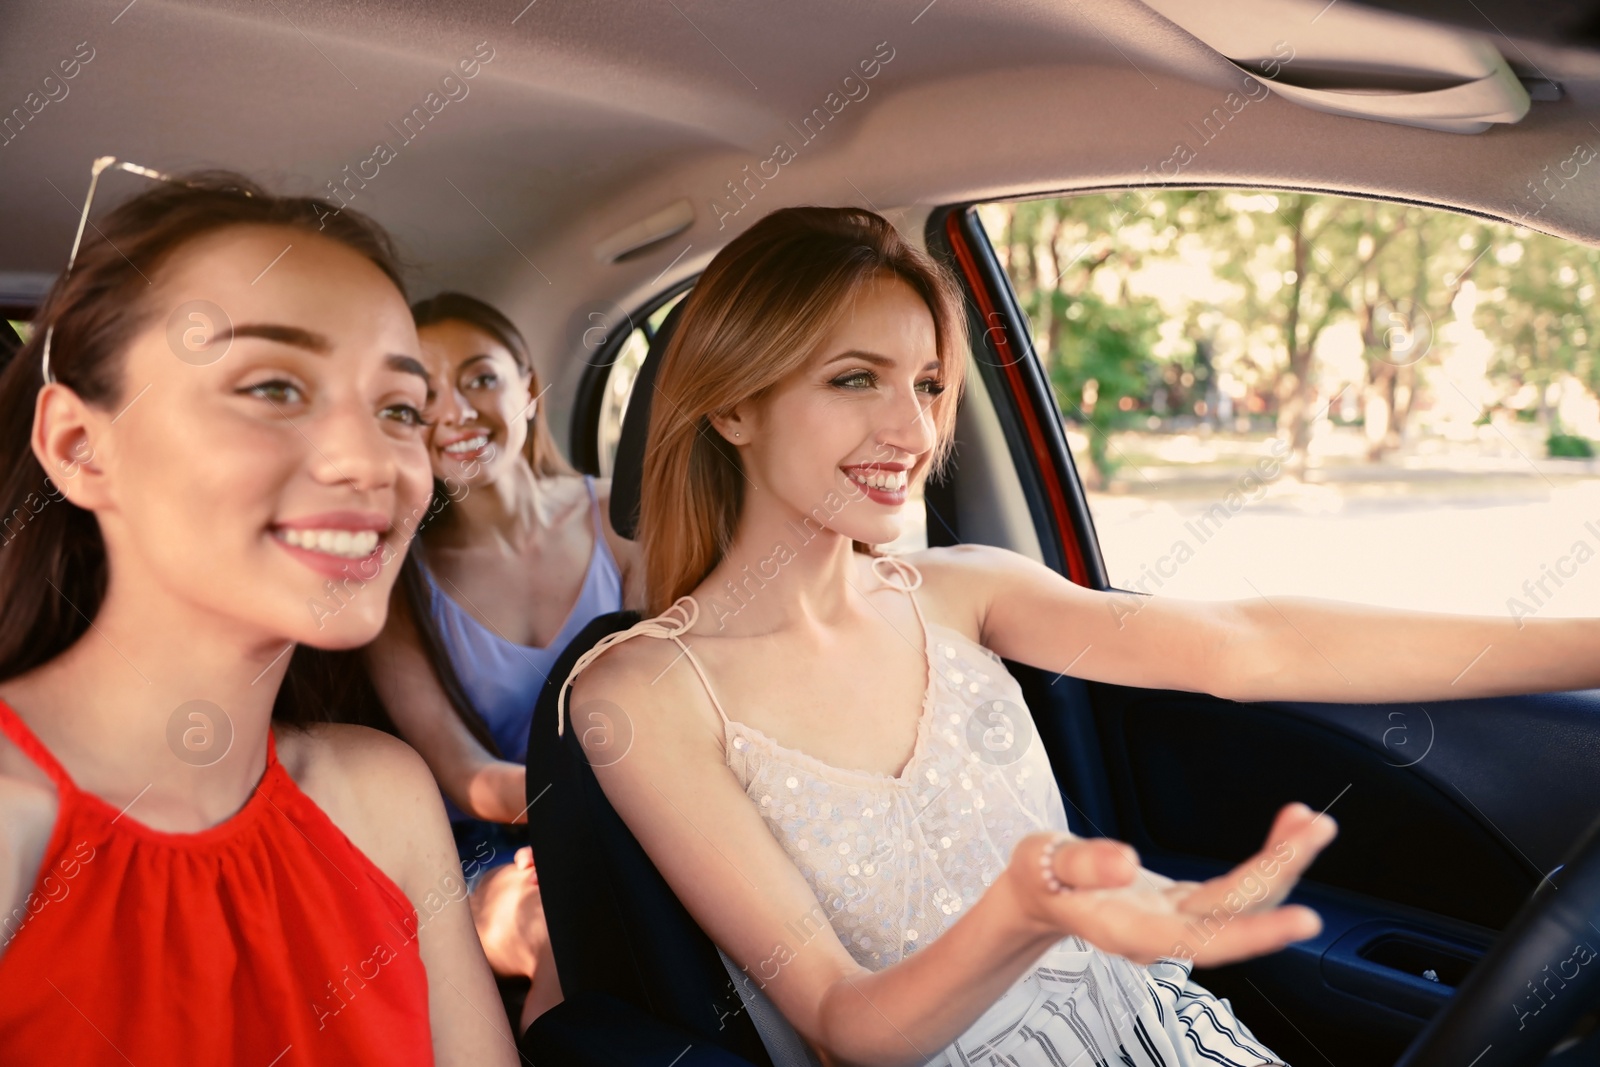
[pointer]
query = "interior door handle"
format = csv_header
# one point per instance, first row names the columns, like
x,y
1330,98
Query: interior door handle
x,y
1401,967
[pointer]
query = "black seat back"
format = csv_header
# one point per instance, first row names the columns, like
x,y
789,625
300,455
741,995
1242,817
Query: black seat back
x,y
616,927
627,473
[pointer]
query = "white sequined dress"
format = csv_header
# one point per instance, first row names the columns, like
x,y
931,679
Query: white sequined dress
x,y
894,860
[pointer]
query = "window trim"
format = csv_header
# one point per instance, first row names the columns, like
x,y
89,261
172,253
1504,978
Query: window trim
x,y
1023,398
583,434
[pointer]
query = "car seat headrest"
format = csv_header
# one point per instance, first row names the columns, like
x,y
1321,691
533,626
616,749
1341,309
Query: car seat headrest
x,y
627,473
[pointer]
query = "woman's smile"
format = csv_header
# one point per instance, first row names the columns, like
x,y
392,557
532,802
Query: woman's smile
x,y
470,445
484,407
337,543
885,483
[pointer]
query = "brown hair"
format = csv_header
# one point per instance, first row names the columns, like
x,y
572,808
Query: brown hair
x,y
53,575
540,450
755,318
412,592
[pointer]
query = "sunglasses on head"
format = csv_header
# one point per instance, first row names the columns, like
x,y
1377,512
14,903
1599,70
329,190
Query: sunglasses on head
x,y
99,167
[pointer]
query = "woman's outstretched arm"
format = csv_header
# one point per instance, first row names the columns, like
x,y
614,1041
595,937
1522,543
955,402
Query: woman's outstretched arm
x,y
1277,648
469,774
656,746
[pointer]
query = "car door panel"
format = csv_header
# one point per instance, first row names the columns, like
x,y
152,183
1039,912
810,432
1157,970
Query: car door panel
x,y
1450,812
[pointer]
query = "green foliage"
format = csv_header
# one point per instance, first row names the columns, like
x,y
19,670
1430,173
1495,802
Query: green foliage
x,y
1566,444
1540,307
1107,345
1289,266
1095,350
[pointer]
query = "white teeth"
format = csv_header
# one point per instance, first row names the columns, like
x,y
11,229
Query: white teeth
x,y
471,444
891,481
348,544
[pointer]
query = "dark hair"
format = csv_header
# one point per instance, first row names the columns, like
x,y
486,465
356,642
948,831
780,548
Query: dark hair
x,y
541,451
413,595
412,592
53,578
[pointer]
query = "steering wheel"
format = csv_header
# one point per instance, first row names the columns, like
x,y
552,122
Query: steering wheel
x,y
1536,982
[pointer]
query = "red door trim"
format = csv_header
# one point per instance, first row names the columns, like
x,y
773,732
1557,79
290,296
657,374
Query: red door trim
x,y
1011,369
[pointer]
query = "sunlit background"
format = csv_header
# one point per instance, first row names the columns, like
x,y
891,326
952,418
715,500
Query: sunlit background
x,y
1427,378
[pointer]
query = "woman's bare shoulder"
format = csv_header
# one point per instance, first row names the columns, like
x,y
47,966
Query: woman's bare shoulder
x,y
643,684
629,668
375,787
342,759
965,560
957,582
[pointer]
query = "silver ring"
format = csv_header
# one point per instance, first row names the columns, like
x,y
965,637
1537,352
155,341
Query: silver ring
x,y
1047,863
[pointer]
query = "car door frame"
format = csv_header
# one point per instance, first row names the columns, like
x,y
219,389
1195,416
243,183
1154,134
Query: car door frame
x,y
1354,1003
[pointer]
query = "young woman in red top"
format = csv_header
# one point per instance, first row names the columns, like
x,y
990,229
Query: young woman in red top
x,y
214,428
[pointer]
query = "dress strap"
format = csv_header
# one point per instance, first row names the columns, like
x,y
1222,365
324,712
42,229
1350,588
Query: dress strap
x,y
12,725
906,577
602,548
670,624
422,565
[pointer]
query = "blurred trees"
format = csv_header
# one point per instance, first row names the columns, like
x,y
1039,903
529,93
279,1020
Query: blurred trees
x,y
1545,314
1278,270
1095,346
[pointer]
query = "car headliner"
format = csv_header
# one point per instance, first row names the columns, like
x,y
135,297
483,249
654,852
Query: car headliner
x,y
591,117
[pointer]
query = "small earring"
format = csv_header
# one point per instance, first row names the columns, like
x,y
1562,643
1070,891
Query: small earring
x,y
736,433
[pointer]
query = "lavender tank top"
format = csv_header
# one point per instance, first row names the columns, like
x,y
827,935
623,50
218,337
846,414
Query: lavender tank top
x,y
503,679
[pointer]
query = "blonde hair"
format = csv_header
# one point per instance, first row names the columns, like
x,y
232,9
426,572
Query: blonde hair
x,y
754,318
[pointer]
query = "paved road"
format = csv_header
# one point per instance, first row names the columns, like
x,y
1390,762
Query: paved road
x,y
1446,541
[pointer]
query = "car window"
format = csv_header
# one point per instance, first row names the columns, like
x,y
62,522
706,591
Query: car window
x,y
620,378
1280,392
619,387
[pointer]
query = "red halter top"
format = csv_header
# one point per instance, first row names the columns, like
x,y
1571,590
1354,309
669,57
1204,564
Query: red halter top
x,y
268,940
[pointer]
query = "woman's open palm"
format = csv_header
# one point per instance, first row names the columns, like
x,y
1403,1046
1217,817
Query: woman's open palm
x,y
1117,905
